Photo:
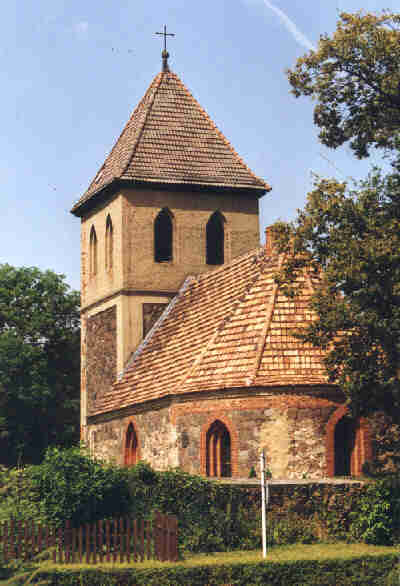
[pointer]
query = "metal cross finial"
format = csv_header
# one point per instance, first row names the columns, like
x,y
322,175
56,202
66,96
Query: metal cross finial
x,y
165,53
165,35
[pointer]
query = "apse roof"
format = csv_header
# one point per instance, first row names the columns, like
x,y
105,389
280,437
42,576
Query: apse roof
x,y
170,140
229,328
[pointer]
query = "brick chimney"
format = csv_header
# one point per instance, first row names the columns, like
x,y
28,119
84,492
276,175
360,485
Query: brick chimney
x,y
269,241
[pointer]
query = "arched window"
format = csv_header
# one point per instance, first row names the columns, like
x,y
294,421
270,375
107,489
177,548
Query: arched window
x,y
345,439
131,446
163,236
93,252
215,239
109,243
218,450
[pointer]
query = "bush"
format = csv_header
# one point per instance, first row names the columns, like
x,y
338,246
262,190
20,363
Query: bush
x,y
70,485
393,578
360,571
17,499
211,517
377,517
291,528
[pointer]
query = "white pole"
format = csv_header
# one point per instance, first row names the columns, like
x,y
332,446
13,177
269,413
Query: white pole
x,y
263,505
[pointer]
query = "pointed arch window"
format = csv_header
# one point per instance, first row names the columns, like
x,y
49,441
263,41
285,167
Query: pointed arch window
x,y
109,243
131,446
218,450
93,252
163,236
215,239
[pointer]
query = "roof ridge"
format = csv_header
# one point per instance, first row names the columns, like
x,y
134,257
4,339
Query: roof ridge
x,y
219,132
219,328
267,324
153,330
148,110
114,147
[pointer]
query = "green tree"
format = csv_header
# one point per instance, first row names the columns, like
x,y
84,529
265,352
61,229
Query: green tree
x,y
350,240
354,77
39,363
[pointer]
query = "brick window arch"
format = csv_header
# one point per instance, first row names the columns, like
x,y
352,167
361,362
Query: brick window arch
x,y
348,444
218,447
109,244
215,239
131,447
93,252
163,236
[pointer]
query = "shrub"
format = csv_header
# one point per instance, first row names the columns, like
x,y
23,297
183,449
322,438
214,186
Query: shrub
x,y
291,528
70,485
17,499
360,571
377,517
211,517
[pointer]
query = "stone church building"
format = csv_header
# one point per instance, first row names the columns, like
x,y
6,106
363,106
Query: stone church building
x,y
188,353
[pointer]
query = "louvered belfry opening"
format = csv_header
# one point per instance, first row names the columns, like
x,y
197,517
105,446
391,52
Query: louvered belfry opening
x,y
215,239
163,236
345,440
131,446
218,450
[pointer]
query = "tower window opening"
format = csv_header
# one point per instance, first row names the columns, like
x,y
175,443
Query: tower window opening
x,y
215,239
218,450
109,243
93,252
163,235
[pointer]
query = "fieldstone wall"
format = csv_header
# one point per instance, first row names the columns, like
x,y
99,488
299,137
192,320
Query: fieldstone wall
x,y
156,436
307,441
291,429
151,313
101,354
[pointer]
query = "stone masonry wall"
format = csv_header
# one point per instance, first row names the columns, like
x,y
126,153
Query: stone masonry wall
x,y
101,354
151,313
291,428
157,439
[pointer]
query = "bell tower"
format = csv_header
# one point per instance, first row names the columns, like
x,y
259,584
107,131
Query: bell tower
x,y
172,199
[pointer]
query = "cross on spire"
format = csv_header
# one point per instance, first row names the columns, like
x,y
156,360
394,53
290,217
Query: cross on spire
x,y
165,53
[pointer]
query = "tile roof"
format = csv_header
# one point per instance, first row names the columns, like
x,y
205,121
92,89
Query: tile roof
x,y
170,139
229,328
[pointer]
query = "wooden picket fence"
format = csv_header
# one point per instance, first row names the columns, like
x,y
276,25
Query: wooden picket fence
x,y
110,541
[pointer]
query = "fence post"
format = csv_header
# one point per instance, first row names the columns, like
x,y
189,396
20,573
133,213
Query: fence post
x,y
156,533
100,540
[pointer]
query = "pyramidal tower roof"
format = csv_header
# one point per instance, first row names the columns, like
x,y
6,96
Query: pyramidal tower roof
x,y
170,139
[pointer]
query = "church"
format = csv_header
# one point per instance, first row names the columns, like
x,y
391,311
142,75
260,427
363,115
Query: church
x,y
189,357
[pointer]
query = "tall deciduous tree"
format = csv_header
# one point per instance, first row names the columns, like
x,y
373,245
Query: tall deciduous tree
x,y
39,363
354,76
351,240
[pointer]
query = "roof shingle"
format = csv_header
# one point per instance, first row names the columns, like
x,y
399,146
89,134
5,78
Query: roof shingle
x,y
170,139
228,328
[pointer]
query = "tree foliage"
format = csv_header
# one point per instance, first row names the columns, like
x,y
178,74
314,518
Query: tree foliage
x,y
354,76
39,363
351,241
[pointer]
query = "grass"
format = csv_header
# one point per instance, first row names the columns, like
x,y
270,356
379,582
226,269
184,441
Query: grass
x,y
282,553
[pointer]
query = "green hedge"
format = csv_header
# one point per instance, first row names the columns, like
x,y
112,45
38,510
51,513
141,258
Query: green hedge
x,y
358,571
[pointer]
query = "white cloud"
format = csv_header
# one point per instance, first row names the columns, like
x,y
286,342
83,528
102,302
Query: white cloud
x,y
290,26
81,29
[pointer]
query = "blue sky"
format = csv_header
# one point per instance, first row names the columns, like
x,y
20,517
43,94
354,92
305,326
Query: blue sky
x,y
73,71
